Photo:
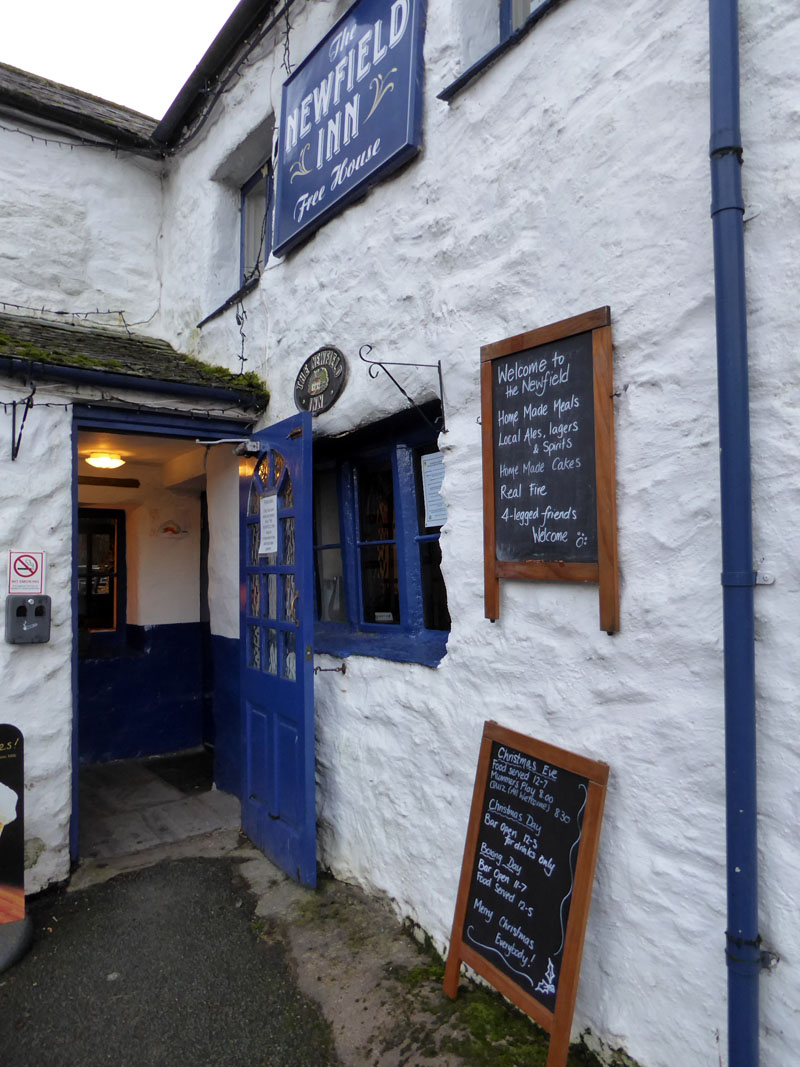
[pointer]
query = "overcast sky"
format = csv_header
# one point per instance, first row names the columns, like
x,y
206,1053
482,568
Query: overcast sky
x,y
134,53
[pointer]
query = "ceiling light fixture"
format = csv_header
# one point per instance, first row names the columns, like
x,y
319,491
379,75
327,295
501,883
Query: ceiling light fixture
x,y
106,460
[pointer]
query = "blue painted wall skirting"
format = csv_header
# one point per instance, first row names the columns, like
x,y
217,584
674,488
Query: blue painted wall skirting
x,y
227,714
168,688
142,698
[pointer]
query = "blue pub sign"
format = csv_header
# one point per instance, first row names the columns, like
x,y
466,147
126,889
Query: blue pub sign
x,y
351,114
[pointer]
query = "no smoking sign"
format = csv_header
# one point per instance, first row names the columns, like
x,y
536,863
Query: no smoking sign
x,y
26,572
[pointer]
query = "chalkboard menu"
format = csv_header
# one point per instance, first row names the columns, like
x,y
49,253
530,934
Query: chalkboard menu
x,y
527,875
545,504
548,459
524,871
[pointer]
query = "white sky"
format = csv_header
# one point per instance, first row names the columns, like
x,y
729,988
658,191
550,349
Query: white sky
x,y
133,52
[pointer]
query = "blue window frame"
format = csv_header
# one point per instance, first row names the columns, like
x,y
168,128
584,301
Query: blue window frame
x,y
379,585
516,20
513,15
256,223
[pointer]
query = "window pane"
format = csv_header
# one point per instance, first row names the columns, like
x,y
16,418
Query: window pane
x,y
254,594
326,508
98,568
103,551
286,497
255,540
254,207
262,470
291,599
330,585
271,602
287,542
289,668
520,9
271,658
379,584
254,646
376,498
434,594
101,611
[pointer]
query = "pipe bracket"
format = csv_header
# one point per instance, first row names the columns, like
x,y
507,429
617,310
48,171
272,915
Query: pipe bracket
x,y
741,943
738,578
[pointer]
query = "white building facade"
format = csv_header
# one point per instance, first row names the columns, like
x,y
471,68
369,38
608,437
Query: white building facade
x,y
569,174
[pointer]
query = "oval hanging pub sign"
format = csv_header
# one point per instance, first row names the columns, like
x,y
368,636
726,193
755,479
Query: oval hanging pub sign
x,y
320,381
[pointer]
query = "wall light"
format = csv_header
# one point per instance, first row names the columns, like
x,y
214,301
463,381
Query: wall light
x,y
107,460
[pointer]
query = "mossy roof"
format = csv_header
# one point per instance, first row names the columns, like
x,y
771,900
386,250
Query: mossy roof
x,y
32,94
104,352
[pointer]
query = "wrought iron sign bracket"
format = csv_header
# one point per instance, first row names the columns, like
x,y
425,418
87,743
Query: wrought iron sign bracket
x,y
376,365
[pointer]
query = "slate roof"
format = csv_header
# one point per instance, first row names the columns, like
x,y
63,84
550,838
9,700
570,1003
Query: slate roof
x,y
32,94
118,125
49,347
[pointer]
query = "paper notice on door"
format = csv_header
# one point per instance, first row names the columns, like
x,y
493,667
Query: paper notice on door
x,y
432,478
268,544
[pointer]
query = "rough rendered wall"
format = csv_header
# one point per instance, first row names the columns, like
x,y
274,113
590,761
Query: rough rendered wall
x,y
36,505
770,94
79,227
573,174
223,546
163,572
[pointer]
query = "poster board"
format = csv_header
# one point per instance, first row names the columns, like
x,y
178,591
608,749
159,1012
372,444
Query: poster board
x,y
549,483
12,822
526,878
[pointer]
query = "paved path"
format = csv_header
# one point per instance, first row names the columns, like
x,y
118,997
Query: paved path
x,y
162,966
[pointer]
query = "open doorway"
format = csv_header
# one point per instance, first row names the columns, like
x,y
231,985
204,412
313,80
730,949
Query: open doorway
x,y
145,733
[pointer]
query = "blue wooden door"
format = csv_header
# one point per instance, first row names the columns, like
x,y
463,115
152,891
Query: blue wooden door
x,y
277,675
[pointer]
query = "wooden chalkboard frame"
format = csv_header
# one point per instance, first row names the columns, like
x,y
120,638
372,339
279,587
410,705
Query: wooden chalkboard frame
x,y
557,1023
605,571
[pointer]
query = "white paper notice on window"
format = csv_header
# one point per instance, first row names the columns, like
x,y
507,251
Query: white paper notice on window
x,y
432,478
268,511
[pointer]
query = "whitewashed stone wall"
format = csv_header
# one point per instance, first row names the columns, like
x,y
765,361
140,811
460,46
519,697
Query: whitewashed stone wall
x,y
573,174
80,227
36,505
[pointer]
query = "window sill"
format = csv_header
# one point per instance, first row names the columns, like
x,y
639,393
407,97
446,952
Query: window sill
x,y
240,294
426,648
491,57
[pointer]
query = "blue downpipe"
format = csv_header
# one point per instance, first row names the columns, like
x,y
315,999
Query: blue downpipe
x,y
738,576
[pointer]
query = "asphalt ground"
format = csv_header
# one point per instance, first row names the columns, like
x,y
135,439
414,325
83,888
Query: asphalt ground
x,y
161,966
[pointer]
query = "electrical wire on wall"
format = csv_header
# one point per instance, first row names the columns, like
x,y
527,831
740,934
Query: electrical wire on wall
x,y
78,142
81,318
241,318
287,59
224,80
10,407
